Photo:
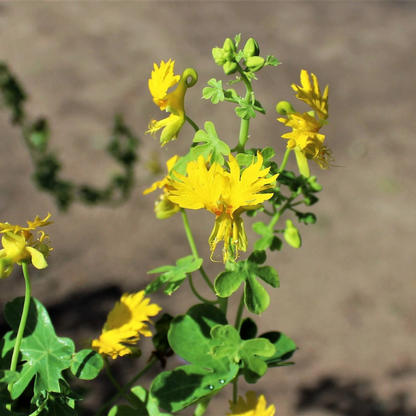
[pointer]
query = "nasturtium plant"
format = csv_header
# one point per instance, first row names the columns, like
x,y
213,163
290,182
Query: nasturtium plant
x,y
215,344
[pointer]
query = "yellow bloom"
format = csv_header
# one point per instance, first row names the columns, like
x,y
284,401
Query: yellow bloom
x,y
305,138
124,325
163,207
161,80
225,194
251,406
19,245
311,94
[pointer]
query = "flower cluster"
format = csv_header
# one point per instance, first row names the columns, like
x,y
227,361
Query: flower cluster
x,y
227,194
252,406
161,80
305,138
124,325
20,244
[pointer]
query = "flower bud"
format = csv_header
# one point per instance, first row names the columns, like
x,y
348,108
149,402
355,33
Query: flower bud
x,y
229,49
292,235
230,67
284,108
218,55
164,208
251,48
255,63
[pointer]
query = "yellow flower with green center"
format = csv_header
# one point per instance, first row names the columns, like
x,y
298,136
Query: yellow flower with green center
x,y
21,245
305,138
161,80
227,194
124,325
163,207
252,406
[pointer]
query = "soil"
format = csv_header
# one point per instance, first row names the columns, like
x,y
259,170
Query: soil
x,y
347,297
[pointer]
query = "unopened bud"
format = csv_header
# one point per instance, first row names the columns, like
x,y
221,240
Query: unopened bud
x,y
230,67
229,49
251,48
292,235
255,63
284,108
218,55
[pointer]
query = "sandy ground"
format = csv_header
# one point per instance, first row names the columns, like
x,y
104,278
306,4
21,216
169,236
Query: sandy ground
x,y
347,297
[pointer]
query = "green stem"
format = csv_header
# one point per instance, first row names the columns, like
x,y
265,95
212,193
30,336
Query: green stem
x,y
22,324
245,124
192,123
223,305
278,214
128,385
202,407
192,245
235,390
121,392
40,408
239,313
201,298
284,161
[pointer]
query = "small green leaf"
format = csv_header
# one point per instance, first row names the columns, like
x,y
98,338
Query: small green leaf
x,y
255,296
215,93
232,347
271,60
213,147
173,275
245,111
285,347
86,364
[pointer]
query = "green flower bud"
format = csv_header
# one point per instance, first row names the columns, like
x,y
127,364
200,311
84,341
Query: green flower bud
x,y
229,49
251,48
230,67
255,63
218,55
284,108
292,235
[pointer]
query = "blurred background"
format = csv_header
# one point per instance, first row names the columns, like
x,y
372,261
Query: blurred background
x,y
347,297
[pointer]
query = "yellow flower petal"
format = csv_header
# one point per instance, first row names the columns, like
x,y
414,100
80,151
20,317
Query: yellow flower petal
x,y
251,406
124,325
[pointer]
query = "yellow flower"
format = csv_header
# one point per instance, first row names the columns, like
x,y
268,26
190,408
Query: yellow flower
x,y
225,194
305,138
124,325
161,80
251,407
20,245
163,207
311,94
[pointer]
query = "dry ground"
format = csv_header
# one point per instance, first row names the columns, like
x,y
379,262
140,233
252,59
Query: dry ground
x,y
348,296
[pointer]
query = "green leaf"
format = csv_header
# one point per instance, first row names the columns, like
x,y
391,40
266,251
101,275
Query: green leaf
x,y
245,111
44,354
285,347
86,364
216,93
7,377
271,60
256,297
189,336
160,339
173,276
232,347
212,145
267,236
